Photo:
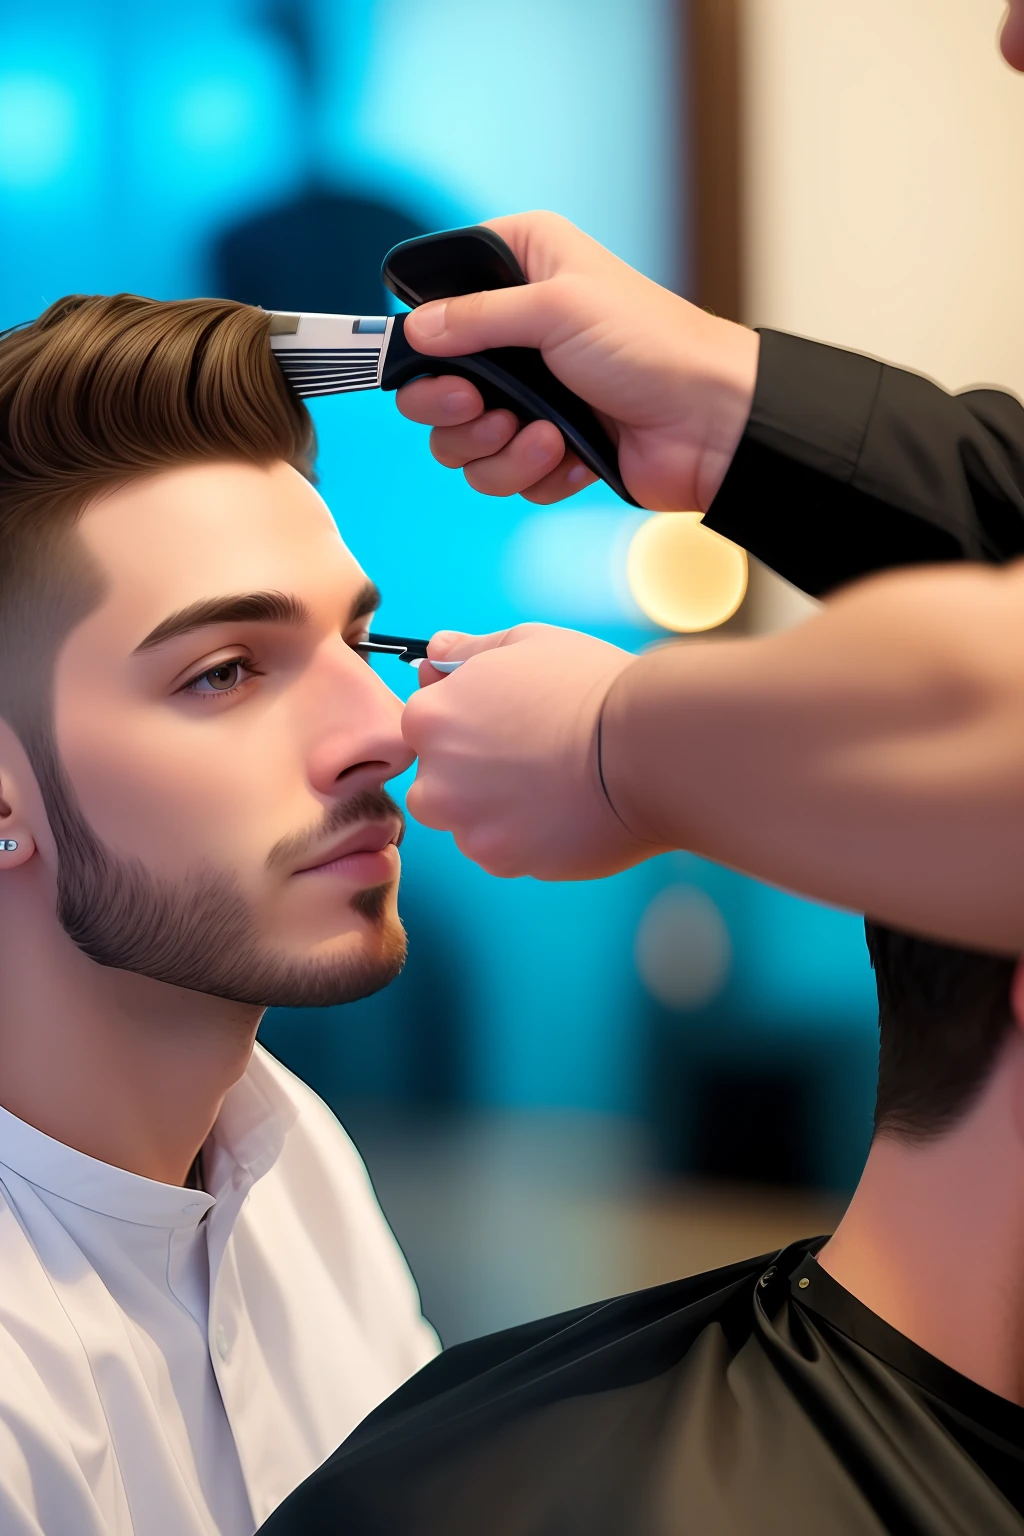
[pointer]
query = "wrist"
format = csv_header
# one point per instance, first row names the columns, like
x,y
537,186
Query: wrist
x,y
727,395
599,760
623,758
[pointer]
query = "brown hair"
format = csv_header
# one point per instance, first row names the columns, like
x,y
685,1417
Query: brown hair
x,y
96,392
943,1016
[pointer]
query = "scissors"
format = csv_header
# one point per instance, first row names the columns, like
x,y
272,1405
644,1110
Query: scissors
x,y
406,649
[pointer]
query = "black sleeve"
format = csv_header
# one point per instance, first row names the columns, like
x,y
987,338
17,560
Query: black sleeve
x,y
848,466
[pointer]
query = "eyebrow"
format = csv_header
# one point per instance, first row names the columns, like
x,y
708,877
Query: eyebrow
x,y
249,608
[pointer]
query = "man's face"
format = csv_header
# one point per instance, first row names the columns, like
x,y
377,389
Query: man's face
x,y
208,764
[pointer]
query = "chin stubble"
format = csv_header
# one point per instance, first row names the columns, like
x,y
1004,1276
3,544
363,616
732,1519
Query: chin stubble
x,y
199,932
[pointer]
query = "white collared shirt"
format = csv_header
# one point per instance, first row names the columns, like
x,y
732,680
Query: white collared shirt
x,y
174,1362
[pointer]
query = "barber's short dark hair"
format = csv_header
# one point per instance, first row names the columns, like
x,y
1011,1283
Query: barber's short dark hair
x,y
943,1016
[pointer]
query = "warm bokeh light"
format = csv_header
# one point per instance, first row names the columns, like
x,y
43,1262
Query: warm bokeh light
x,y
683,951
682,575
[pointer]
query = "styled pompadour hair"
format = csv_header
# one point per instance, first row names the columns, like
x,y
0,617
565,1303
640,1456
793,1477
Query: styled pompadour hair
x,y
99,391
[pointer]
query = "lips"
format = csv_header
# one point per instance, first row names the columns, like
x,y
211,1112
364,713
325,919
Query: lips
x,y
371,839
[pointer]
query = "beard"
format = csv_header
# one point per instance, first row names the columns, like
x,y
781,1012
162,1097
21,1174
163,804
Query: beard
x,y
199,932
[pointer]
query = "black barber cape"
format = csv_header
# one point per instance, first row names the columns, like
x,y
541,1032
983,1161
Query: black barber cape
x,y
741,1402
757,1400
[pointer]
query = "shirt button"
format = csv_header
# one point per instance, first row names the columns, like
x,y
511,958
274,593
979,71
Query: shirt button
x,y
223,1347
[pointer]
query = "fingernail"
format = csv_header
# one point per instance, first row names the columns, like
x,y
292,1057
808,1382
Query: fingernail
x,y
538,453
428,320
577,474
457,402
443,638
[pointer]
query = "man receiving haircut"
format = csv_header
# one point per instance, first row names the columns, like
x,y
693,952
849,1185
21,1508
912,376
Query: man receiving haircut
x,y
872,1383
199,1296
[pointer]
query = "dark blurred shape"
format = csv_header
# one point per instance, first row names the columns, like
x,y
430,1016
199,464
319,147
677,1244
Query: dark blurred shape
x,y
713,134
322,248
726,1100
752,1125
319,251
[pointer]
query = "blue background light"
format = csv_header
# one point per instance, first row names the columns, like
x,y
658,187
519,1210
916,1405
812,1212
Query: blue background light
x,y
171,152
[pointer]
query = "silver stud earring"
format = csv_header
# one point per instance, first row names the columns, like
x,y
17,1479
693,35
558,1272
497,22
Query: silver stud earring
x,y
7,845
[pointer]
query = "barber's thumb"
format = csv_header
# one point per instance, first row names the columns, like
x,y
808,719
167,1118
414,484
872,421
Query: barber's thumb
x,y
472,322
452,645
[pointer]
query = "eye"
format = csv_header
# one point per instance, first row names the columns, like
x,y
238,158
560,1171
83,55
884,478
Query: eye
x,y
225,678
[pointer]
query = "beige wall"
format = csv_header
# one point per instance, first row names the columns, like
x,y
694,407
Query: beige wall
x,y
884,199
883,145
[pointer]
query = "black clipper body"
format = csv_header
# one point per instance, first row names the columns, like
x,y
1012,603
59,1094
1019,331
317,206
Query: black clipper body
x,y
332,354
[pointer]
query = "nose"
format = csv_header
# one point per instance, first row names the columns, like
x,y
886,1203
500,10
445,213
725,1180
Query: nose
x,y
357,737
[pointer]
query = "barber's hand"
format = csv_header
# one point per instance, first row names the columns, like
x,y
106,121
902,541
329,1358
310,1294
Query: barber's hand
x,y
672,384
507,749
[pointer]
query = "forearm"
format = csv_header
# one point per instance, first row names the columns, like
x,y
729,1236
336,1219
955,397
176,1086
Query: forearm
x,y
872,757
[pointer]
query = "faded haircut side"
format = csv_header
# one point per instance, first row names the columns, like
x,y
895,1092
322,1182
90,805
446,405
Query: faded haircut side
x,y
97,392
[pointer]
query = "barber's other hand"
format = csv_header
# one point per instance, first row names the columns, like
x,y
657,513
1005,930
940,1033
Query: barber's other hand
x,y
507,749
672,384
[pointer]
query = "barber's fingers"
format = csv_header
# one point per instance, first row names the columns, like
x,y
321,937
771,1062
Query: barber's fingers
x,y
430,803
543,312
568,477
427,675
532,315
449,645
531,455
455,447
535,464
494,850
446,645
465,433
500,461
546,243
442,402
454,645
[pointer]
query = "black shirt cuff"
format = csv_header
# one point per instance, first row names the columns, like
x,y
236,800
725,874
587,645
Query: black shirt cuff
x,y
793,494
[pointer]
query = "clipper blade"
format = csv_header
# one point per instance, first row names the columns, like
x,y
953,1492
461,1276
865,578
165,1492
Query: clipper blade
x,y
324,354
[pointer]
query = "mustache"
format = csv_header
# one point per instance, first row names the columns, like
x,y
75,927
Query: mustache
x,y
367,805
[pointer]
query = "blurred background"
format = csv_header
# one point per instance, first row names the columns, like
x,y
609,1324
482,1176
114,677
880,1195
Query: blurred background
x,y
580,1089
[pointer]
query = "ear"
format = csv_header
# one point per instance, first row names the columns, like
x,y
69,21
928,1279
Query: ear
x,y
17,844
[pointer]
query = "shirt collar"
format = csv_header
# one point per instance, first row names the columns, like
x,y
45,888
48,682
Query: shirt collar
x,y
248,1135
250,1130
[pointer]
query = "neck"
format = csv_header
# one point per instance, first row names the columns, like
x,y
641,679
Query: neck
x,y
128,1070
933,1240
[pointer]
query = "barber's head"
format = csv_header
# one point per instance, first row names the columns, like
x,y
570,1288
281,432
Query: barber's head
x,y
949,1019
185,727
